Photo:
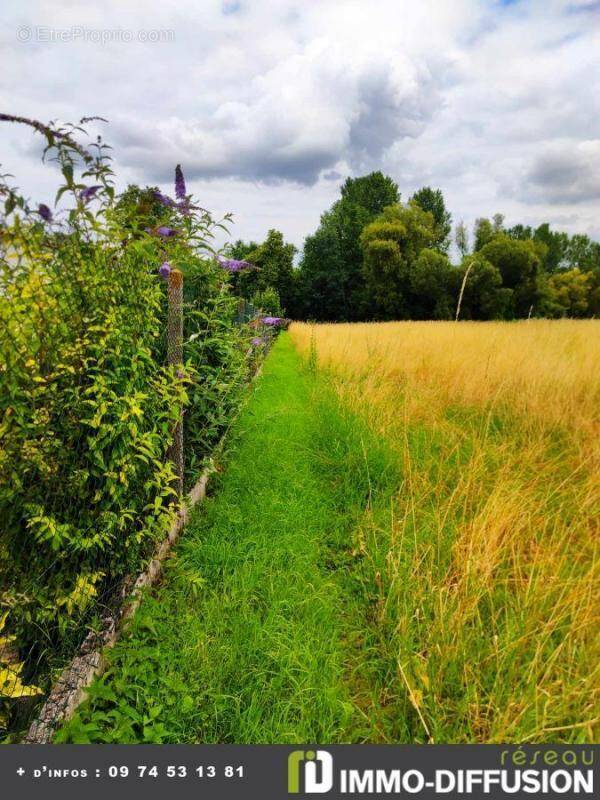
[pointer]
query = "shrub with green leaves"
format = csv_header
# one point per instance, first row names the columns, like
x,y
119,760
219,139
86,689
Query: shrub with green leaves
x,y
87,403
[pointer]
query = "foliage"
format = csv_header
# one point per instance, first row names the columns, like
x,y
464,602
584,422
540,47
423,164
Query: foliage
x,y
404,277
433,285
11,681
322,285
461,238
432,200
261,651
482,233
274,259
87,403
331,280
268,302
484,297
568,293
519,265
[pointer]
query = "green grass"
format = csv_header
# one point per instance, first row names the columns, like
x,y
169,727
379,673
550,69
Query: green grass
x,y
319,595
257,633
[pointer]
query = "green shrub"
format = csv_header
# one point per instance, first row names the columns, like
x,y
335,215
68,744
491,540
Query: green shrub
x,y
87,403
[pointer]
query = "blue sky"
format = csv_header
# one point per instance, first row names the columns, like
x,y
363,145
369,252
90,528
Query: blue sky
x,y
270,104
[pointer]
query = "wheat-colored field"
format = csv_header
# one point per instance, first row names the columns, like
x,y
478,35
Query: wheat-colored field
x,y
486,566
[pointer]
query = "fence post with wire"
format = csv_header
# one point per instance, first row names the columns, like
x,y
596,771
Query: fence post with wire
x,y
175,359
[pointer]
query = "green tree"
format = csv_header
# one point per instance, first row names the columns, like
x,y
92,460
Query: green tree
x,y
323,291
432,200
274,259
391,246
240,249
483,232
519,265
331,282
433,282
520,232
267,301
484,297
569,293
139,208
555,244
582,252
498,223
461,238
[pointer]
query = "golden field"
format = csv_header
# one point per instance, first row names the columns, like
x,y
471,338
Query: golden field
x,y
486,565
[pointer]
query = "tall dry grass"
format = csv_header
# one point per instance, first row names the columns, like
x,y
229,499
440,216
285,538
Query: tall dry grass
x,y
486,565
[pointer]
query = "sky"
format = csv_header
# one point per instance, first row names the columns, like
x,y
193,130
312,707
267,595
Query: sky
x,y
270,104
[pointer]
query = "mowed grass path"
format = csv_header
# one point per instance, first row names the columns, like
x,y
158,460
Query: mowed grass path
x,y
253,635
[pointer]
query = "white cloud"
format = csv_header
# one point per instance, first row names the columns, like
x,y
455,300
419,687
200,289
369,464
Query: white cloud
x,y
268,103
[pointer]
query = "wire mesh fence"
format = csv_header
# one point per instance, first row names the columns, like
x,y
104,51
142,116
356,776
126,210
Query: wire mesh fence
x,y
100,360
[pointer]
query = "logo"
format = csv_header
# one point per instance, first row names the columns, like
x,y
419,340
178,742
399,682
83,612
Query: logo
x,y
317,771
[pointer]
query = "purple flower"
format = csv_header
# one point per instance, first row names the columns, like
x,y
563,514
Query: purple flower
x,y
257,341
164,200
89,193
164,230
45,212
272,320
164,270
234,264
179,183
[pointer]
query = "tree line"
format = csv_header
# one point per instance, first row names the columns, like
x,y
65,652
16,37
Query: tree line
x,y
374,257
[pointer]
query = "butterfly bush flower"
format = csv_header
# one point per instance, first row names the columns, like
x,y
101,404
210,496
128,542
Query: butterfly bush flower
x,y
165,231
234,264
179,183
275,321
45,212
89,193
164,270
164,200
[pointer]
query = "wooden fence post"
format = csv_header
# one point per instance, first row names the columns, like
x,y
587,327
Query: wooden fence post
x,y
175,358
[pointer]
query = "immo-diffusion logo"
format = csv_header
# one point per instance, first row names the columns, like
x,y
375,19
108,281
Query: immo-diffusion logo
x,y
315,767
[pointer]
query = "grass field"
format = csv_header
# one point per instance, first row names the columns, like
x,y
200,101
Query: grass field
x,y
488,564
257,633
400,547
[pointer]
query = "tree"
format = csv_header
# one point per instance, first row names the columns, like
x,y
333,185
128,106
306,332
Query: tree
x,y
274,259
372,192
321,278
582,252
432,200
555,244
551,245
484,296
568,293
498,223
391,246
267,301
483,233
331,281
519,265
137,209
520,232
461,238
433,285
240,249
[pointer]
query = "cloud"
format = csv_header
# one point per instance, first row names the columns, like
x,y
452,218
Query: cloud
x,y
269,104
565,174
319,106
